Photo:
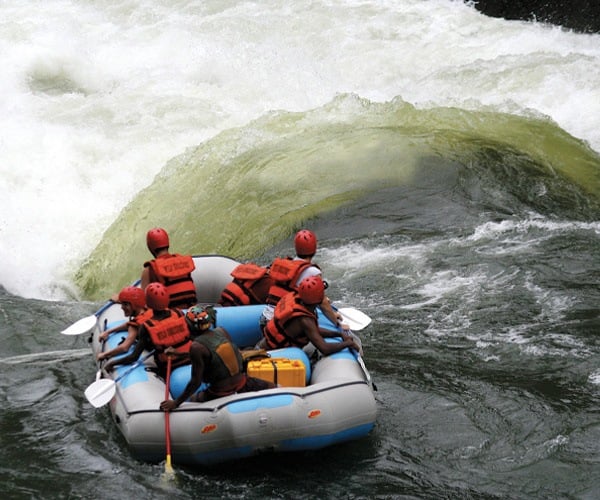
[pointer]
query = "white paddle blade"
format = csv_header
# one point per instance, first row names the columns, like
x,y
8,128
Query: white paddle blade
x,y
82,326
355,319
100,392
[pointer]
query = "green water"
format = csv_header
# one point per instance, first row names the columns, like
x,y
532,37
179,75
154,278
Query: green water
x,y
249,188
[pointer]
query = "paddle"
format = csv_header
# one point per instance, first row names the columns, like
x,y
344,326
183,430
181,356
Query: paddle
x,y
358,355
169,472
364,369
101,391
355,319
84,325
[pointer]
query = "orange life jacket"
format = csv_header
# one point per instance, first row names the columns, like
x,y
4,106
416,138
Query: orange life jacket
x,y
175,272
285,273
250,285
287,308
171,331
146,314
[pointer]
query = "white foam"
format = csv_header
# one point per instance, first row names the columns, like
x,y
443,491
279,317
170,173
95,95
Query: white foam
x,y
98,96
594,377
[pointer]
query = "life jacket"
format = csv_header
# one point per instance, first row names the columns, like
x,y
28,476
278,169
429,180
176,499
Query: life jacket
x,y
175,272
226,359
290,306
250,285
171,331
146,314
285,273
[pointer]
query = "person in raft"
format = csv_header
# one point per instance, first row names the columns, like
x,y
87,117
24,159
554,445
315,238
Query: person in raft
x,y
173,270
295,322
166,328
216,360
287,273
133,303
250,285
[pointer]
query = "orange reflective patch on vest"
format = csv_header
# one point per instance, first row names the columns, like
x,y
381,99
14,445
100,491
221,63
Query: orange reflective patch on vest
x,y
169,331
174,266
249,271
227,354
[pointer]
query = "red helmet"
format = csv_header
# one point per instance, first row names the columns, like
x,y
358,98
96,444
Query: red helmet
x,y
312,290
157,238
134,295
157,296
305,243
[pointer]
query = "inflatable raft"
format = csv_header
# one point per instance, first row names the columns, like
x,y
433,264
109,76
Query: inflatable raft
x,y
332,401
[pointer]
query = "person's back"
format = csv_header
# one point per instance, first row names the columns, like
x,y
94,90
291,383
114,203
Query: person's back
x,y
167,328
174,271
288,273
225,360
287,327
295,322
285,273
250,285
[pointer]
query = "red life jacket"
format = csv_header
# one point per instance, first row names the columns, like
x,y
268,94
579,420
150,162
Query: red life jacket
x,y
175,272
285,273
250,285
171,331
146,314
290,306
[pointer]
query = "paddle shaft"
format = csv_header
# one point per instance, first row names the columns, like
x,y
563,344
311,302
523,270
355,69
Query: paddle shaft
x,y
168,466
133,366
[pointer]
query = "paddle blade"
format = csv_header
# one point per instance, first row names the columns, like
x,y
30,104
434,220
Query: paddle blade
x,y
84,325
100,392
355,319
169,473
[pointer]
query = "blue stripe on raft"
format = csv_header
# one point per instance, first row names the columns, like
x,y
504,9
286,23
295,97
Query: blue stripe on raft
x,y
315,442
299,444
137,375
251,405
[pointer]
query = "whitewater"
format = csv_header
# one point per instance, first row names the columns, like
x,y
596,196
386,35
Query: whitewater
x,y
99,96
